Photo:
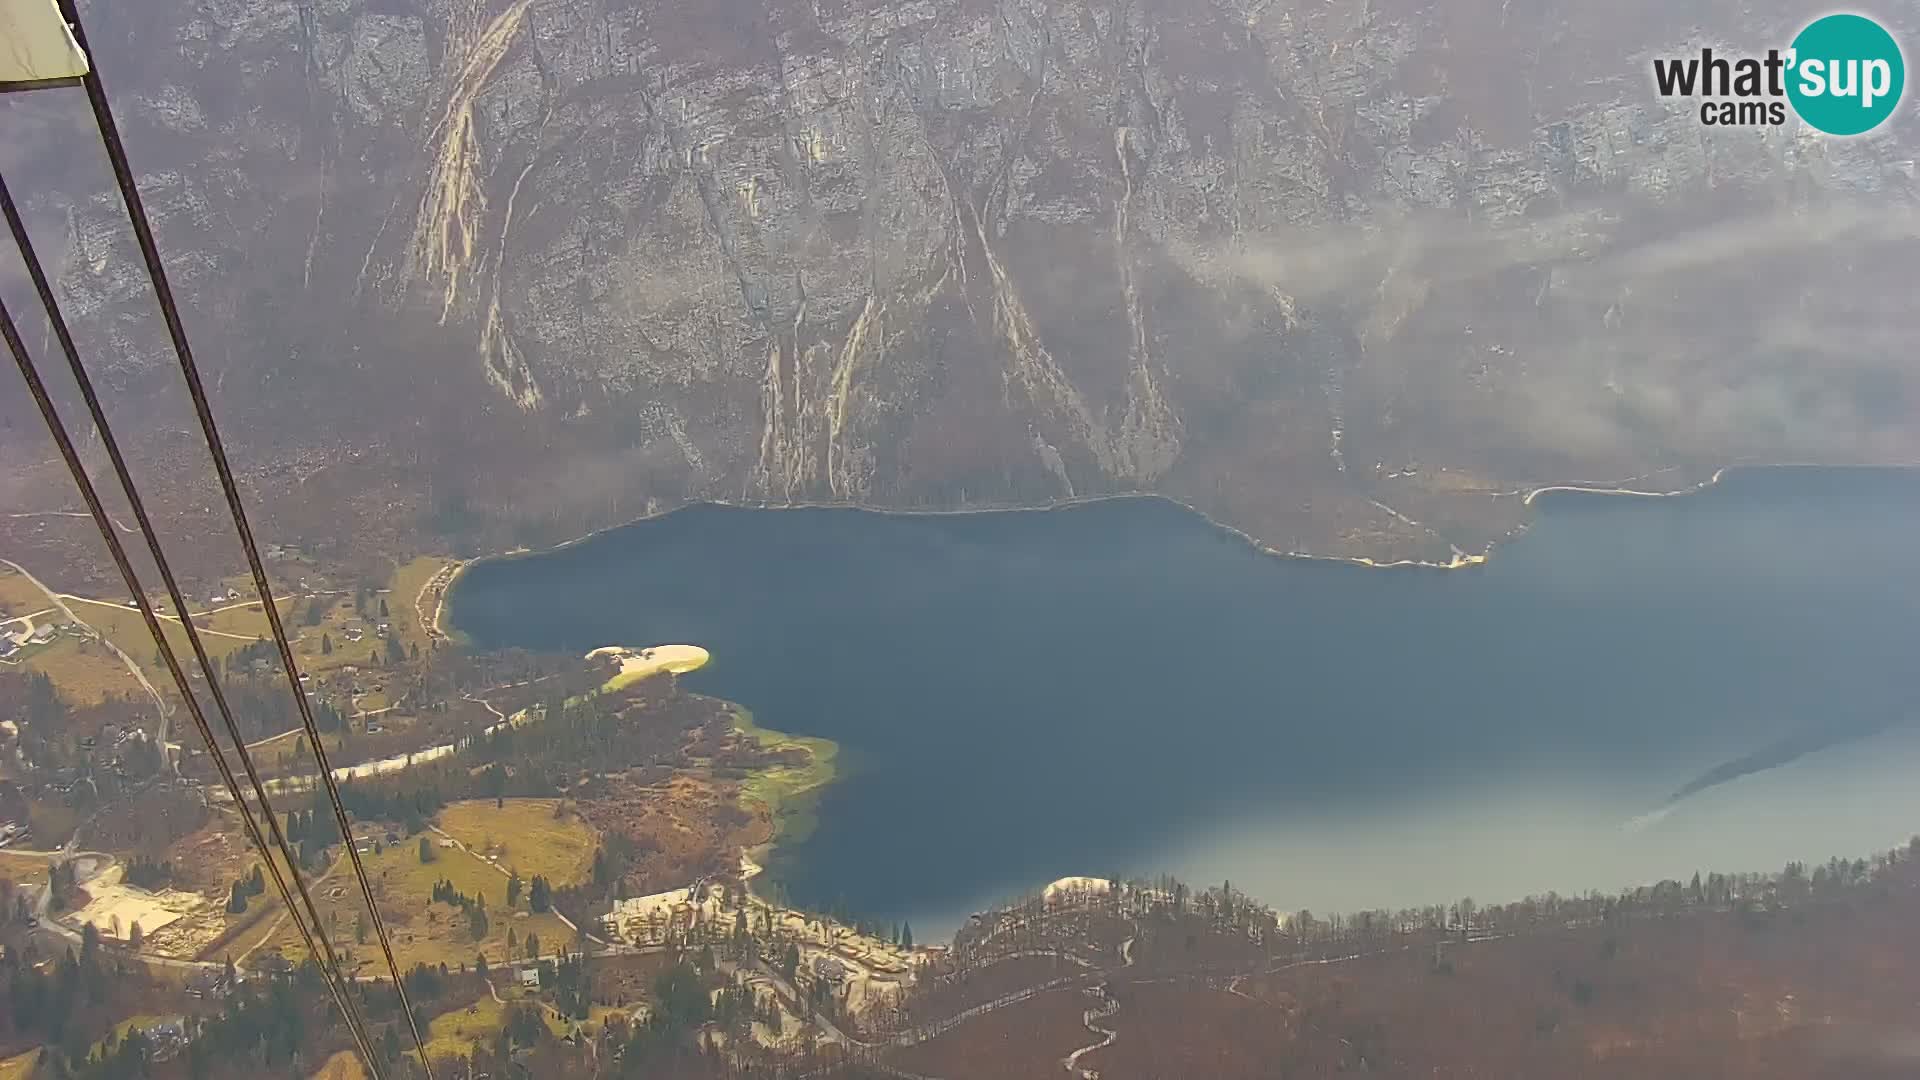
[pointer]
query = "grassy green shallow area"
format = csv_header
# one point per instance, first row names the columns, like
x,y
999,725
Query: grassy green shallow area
x,y
788,791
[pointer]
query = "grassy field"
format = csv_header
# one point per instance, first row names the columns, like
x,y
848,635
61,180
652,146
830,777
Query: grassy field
x,y
531,840
18,596
249,930
424,932
788,791
224,632
86,672
405,585
344,1065
310,641
458,1032
23,868
19,1066
124,627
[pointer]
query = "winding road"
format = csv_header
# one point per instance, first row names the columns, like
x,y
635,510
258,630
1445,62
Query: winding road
x,y
57,600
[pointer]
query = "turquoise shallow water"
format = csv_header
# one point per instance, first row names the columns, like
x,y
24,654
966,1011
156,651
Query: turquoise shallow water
x,y
1121,687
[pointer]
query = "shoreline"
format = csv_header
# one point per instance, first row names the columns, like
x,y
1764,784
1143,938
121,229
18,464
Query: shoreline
x,y
790,808
786,791
1461,559
1582,489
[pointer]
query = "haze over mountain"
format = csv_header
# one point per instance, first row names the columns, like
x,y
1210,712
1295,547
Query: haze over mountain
x,y
1342,275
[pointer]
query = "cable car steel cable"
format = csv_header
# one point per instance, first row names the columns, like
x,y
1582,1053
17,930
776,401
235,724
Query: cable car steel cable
x,y
183,352
30,373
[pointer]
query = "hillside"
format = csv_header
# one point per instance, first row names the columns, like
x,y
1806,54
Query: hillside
x,y
1788,976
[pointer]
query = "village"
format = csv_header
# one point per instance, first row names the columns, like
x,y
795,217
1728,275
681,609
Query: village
x,y
806,959
469,887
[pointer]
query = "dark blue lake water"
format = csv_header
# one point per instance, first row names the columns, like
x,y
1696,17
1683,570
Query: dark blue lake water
x,y
1122,688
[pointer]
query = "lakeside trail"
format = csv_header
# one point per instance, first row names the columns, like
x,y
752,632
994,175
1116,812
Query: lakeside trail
x,y
440,584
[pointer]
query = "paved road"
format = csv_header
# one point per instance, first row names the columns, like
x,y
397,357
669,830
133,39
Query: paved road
x,y
123,527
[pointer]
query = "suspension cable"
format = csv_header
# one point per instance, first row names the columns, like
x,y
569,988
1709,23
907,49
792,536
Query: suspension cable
x,y
44,288
28,371
176,330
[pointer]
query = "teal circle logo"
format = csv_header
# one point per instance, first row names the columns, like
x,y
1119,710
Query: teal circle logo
x,y
1847,74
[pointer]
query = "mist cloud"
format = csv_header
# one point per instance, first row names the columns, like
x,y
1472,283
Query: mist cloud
x,y
1773,334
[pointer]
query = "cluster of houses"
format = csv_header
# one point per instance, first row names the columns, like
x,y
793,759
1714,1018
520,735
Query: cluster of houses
x,y
354,632
209,982
107,750
166,1038
27,634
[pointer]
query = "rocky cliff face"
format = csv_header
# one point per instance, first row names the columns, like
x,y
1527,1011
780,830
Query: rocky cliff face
x,y
1346,275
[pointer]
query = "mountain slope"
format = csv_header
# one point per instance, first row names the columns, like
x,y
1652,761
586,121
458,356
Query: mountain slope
x,y
1346,276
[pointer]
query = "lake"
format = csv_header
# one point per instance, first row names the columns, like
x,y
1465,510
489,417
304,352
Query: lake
x,y
1121,687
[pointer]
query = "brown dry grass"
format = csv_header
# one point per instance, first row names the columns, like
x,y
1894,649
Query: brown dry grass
x,y
86,672
1024,1041
424,932
685,825
1817,990
18,596
344,1065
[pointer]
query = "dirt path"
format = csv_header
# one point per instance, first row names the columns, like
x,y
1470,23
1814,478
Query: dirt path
x,y
488,705
505,873
274,928
1108,1006
140,676
204,632
122,526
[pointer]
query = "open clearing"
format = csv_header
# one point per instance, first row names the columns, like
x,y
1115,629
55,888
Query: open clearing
x,y
526,837
404,599
341,1066
459,1031
231,628
23,868
115,908
424,932
18,596
637,664
124,627
85,671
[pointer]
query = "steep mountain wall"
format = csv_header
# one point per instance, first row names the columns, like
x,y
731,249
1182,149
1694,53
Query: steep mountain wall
x,y
1345,275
